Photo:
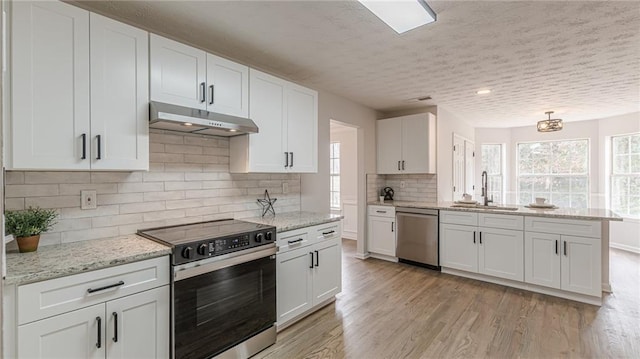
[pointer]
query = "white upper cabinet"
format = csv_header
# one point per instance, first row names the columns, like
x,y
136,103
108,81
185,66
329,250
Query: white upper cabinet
x,y
287,117
185,76
178,73
227,87
407,144
119,95
49,87
79,93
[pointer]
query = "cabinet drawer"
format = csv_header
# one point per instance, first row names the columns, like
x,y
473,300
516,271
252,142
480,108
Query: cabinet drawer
x,y
382,211
572,227
294,239
459,217
503,221
52,297
328,231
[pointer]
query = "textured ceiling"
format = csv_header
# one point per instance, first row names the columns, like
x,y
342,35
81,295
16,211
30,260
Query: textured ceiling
x,y
580,59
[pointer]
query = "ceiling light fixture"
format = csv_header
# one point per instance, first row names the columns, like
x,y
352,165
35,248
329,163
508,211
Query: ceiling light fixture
x,y
403,15
187,124
550,125
483,92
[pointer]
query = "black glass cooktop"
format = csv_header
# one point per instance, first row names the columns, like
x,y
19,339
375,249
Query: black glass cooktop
x,y
202,231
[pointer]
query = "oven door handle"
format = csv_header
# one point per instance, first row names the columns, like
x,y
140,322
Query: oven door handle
x,y
198,269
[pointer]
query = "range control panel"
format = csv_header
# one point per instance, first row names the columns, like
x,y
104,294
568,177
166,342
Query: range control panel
x,y
216,247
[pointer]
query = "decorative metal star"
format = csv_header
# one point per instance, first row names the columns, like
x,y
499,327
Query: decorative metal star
x,y
267,203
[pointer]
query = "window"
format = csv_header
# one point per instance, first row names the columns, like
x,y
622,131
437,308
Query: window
x,y
334,174
492,162
625,175
555,170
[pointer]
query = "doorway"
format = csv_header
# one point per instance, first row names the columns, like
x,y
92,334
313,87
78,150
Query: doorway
x,y
343,175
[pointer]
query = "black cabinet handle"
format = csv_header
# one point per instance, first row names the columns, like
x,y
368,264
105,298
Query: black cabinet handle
x,y
474,237
291,159
211,88
115,327
398,165
99,342
203,91
403,165
480,237
99,156
84,146
317,258
381,211
556,246
565,247
295,241
311,266
91,290
325,233
286,159
391,226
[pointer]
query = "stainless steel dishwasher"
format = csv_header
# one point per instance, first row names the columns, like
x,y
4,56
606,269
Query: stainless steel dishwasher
x,y
417,241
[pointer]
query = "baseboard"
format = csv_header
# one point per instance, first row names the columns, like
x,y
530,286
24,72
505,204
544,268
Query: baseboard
x,y
384,257
624,247
362,256
349,235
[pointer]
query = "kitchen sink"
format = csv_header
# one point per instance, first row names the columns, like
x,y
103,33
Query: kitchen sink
x,y
489,207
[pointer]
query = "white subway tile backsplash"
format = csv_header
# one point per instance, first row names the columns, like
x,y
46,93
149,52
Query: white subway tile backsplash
x,y
188,181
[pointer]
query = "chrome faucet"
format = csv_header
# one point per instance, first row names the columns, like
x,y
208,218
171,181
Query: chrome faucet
x,y
485,189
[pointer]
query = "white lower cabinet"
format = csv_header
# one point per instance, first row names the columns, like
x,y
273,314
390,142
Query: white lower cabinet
x,y
381,231
308,271
458,247
114,323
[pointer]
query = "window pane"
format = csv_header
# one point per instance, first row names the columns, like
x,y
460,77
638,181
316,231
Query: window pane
x,y
625,175
634,163
635,143
621,145
621,164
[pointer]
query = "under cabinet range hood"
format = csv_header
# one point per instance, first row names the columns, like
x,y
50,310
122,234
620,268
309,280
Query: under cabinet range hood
x,y
184,119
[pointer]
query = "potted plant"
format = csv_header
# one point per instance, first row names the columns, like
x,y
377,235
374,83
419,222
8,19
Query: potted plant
x,y
26,226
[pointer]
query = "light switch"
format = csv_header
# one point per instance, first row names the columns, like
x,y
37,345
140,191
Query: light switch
x,y
285,187
88,200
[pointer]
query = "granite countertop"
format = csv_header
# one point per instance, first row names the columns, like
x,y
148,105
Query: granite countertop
x,y
72,258
294,220
568,213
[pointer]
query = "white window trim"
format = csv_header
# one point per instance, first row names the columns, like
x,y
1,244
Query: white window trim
x,y
331,206
609,175
503,167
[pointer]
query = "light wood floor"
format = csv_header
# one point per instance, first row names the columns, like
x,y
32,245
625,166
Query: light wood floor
x,y
390,310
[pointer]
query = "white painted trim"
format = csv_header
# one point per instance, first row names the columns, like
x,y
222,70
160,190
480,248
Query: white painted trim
x,y
624,247
384,257
351,235
361,256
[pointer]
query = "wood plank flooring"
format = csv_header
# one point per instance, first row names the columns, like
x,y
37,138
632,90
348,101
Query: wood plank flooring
x,y
390,310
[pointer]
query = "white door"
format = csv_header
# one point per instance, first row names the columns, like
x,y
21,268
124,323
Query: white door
x,y
267,108
178,73
542,259
75,335
138,325
327,270
302,124
501,253
119,95
415,144
458,247
469,167
458,167
294,277
227,87
581,265
382,235
389,140
49,86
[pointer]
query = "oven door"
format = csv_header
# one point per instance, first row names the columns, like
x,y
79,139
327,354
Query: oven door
x,y
221,302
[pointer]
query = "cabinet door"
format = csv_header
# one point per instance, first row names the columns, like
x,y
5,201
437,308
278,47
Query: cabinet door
x,y
138,325
382,236
119,95
327,270
302,125
178,73
389,140
227,87
581,265
542,259
73,335
294,278
458,247
49,86
415,144
501,253
267,108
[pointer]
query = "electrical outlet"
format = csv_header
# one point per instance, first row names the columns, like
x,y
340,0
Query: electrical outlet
x,y
285,187
88,200
401,184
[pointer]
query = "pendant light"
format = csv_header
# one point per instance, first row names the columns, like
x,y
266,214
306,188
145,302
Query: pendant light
x,y
550,125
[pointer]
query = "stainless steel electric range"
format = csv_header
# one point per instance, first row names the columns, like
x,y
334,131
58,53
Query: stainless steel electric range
x,y
223,287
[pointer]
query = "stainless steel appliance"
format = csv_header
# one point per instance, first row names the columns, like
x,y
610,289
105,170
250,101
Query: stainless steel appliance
x,y
417,237
223,287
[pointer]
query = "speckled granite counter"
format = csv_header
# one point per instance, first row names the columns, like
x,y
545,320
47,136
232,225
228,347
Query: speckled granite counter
x,y
597,214
77,257
294,220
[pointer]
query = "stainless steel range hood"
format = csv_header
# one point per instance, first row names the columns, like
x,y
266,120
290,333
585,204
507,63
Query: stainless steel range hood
x,y
183,119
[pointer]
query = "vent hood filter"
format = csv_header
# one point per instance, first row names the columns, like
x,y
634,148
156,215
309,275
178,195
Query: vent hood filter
x,y
189,120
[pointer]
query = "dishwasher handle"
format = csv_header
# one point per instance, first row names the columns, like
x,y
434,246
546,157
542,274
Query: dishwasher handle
x,y
425,211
